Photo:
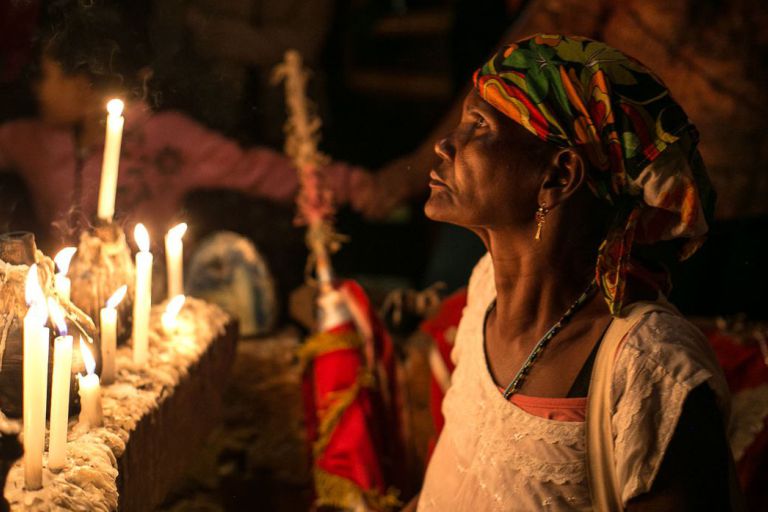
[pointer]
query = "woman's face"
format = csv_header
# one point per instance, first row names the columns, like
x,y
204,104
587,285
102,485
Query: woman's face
x,y
490,171
63,99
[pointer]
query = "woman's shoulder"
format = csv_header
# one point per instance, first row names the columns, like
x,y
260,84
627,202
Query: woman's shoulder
x,y
663,340
662,359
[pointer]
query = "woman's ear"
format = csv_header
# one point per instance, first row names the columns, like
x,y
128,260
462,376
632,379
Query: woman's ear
x,y
563,176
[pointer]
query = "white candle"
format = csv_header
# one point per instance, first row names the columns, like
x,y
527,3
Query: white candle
x,y
62,371
108,330
174,259
169,318
35,381
109,165
62,259
91,412
142,302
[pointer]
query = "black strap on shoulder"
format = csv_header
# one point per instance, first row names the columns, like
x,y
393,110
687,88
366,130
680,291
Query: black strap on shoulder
x,y
580,386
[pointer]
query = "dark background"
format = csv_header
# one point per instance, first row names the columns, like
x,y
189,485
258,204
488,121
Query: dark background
x,y
388,71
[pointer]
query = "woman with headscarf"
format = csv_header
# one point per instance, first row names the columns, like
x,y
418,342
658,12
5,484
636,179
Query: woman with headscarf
x,y
577,386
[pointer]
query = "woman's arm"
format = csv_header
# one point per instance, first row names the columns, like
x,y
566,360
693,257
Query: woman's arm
x,y
211,160
694,474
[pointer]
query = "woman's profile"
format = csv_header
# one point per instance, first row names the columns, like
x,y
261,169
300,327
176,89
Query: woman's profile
x,y
577,386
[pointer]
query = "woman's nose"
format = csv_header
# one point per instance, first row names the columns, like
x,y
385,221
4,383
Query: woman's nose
x,y
444,148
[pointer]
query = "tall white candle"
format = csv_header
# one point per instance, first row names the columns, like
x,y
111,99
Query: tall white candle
x,y
62,259
62,371
91,412
111,161
108,333
174,259
142,303
35,381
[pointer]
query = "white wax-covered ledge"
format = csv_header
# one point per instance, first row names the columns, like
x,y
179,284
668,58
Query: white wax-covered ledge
x,y
89,479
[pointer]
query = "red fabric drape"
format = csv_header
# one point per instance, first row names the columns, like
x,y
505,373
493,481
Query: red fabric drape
x,y
353,411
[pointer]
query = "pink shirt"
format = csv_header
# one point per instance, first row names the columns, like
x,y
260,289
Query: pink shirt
x,y
164,156
556,409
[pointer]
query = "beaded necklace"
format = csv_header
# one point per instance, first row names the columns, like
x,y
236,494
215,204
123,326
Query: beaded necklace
x,y
517,382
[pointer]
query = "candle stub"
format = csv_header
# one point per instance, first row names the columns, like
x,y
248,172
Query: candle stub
x,y
169,319
90,391
174,259
108,332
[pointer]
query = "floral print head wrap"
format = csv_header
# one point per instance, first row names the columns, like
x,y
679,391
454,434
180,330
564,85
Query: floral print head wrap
x,y
578,93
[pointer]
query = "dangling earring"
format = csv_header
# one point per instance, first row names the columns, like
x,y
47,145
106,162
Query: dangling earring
x,y
541,215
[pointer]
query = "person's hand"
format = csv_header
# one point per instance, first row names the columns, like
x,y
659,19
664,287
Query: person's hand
x,y
378,196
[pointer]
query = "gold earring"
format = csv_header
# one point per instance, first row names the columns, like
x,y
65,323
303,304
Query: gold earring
x,y
541,215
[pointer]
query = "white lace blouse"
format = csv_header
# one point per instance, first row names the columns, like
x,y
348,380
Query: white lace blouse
x,y
493,456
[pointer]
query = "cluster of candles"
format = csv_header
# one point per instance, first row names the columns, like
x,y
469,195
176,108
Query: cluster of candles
x,y
36,332
35,382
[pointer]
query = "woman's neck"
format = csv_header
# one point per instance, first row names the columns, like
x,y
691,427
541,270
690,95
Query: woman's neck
x,y
536,280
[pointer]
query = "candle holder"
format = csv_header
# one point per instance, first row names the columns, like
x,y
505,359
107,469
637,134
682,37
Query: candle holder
x,y
101,265
17,252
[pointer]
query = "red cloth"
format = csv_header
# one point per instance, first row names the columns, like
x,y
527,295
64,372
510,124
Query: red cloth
x,y
745,369
443,323
365,445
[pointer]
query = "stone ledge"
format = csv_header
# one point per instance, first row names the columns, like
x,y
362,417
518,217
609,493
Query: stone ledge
x,y
155,419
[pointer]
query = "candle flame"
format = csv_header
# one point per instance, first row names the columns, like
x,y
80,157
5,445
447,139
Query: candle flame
x,y
141,235
90,363
115,107
117,297
177,232
32,291
37,313
63,258
57,315
175,305
172,310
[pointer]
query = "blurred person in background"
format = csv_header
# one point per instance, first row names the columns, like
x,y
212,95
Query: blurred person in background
x,y
88,56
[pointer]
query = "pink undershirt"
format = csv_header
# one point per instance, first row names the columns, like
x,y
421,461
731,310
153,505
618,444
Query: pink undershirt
x,y
557,409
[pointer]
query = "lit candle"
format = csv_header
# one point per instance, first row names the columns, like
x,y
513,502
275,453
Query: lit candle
x,y
109,165
142,303
90,391
35,367
174,259
108,330
62,370
62,259
169,318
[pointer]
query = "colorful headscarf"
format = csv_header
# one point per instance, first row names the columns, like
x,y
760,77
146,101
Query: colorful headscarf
x,y
579,93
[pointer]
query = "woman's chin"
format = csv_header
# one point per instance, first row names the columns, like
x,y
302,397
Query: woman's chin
x,y
440,209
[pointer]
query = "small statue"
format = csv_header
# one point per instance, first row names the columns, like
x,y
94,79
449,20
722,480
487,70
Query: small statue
x,y
101,265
